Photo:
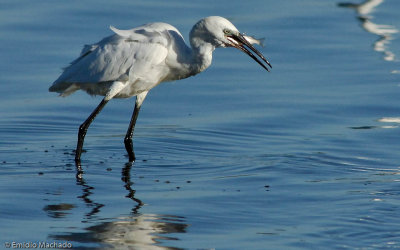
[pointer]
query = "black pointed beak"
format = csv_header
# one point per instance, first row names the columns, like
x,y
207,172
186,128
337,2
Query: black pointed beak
x,y
239,42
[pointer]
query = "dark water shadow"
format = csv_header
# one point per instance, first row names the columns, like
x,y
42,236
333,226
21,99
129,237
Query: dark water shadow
x,y
385,32
135,231
58,211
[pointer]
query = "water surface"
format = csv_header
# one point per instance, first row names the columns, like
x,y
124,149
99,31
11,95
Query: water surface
x,y
235,158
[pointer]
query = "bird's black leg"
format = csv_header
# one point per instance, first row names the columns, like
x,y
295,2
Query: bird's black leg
x,y
83,129
129,134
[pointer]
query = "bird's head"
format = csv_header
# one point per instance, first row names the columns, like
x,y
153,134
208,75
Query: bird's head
x,y
219,32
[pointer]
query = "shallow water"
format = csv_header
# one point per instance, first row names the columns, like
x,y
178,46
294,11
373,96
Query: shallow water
x,y
235,158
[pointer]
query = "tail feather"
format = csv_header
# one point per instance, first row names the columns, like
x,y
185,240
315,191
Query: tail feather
x,y
64,88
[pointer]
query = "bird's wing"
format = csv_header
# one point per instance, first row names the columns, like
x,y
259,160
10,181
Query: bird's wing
x,y
86,50
113,58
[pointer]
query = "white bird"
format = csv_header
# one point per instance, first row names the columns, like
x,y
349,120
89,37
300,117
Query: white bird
x,y
131,62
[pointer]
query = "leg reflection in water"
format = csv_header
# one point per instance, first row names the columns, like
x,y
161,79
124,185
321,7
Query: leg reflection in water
x,y
126,178
86,189
86,193
135,231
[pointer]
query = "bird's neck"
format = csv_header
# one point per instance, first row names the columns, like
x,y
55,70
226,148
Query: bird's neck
x,y
191,61
201,56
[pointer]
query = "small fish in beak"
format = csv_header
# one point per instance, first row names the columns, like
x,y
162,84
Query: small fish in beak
x,y
239,41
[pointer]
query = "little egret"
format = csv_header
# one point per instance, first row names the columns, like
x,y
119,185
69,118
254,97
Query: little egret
x,y
131,62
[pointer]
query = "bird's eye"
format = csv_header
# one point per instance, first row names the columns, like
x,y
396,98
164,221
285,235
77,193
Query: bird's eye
x,y
226,32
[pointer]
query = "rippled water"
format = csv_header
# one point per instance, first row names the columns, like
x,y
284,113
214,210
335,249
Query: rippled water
x,y
235,158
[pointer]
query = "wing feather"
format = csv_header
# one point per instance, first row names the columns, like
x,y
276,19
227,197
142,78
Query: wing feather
x,y
125,56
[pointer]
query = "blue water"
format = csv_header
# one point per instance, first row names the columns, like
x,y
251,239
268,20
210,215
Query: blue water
x,y
235,158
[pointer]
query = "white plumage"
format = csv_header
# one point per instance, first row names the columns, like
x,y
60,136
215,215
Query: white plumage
x,y
136,59
131,62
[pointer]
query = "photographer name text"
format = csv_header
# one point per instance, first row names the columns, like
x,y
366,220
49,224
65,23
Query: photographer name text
x,y
38,245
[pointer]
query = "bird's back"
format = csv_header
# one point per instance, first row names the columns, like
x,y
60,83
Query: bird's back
x,y
138,57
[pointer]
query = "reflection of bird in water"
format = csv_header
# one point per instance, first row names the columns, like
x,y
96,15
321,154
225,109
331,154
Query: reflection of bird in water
x,y
131,62
126,178
142,231
86,193
137,231
87,190
363,8
384,31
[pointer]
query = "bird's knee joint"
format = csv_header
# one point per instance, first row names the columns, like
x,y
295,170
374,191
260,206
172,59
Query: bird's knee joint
x,y
82,130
